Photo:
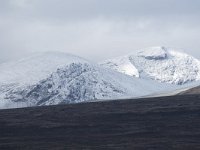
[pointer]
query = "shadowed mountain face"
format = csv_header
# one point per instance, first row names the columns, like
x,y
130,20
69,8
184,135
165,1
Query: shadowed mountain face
x,y
154,123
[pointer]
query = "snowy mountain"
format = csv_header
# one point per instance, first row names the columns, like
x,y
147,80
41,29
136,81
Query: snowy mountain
x,y
162,64
54,78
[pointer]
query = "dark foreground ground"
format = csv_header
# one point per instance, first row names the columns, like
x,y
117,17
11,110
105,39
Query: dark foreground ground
x,y
149,124
192,91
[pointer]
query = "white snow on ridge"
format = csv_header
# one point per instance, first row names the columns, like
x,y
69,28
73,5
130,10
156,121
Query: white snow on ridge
x,y
55,78
158,63
126,66
32,69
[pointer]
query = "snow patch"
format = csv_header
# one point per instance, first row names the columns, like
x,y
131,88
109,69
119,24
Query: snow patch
x,y
126,66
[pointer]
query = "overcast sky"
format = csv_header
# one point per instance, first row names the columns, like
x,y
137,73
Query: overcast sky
x,y
97,29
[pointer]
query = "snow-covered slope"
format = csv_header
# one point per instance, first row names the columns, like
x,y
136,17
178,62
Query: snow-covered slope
x,y
163,64
55,78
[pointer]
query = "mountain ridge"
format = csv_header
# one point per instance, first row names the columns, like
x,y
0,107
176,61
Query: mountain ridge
x,y
158,63
55,78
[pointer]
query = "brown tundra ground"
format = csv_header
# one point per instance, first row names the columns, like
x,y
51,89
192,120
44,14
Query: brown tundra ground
x,y
162,123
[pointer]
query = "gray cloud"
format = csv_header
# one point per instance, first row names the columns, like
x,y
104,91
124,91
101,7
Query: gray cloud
x,y
97,29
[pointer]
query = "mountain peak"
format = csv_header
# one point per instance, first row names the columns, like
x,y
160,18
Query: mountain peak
x,y
159,52
53,78
168,65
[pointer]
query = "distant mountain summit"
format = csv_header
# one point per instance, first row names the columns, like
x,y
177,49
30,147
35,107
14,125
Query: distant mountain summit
x,y
54,78
167,65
